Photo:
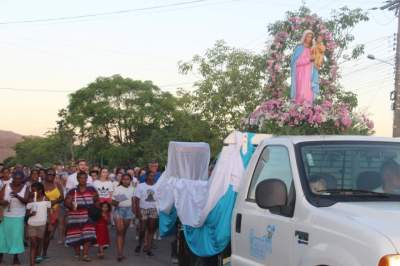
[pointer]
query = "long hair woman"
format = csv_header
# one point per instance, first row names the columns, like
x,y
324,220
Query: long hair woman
x,y
123,213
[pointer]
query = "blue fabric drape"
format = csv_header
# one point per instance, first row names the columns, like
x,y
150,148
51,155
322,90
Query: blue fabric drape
x,y
315,81
167,223
246,157
297,52
214,236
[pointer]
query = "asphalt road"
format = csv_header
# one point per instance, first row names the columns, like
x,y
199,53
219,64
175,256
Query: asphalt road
x,y
62,256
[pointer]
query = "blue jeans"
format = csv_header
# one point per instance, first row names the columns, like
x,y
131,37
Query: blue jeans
x,y
124,213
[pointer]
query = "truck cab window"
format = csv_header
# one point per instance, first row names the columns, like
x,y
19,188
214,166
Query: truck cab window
x,y
356,171
273,163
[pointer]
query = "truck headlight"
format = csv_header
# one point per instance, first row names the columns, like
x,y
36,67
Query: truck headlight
x,y
390,260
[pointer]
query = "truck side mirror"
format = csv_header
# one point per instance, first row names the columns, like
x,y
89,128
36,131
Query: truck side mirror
x,y
271,193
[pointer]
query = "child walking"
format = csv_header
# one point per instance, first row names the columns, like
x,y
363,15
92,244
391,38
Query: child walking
x,y
38,212
146,211
102,234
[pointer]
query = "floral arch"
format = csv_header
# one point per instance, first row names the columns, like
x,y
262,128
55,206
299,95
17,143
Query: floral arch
x,y
329,114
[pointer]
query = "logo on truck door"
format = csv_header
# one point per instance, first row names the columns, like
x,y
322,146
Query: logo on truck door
x,y
261,246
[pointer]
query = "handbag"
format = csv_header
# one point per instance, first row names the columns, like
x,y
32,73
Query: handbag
x,y
94,213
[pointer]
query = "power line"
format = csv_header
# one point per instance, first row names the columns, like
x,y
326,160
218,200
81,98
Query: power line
x,y
117,12
71,91
366,67
365,86
379,65
154,12
35,90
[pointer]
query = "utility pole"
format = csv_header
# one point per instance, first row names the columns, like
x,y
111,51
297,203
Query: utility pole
x,y
394,5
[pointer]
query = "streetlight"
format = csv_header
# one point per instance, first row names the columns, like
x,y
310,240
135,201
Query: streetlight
x,y
372,57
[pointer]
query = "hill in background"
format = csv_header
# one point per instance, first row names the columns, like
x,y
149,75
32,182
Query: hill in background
x,y
8,140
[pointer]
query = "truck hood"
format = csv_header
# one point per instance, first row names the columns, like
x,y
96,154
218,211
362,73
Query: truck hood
x,y
383,217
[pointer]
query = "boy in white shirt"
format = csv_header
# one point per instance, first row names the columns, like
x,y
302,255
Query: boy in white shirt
x,y
146,211
39,212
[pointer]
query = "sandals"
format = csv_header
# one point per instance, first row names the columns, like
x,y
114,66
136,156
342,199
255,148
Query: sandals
x,y
137,250
86,258
120,258
16,262
100,255
39,259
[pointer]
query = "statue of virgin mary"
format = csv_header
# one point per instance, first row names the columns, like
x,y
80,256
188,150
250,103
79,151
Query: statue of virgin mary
x,y
304,73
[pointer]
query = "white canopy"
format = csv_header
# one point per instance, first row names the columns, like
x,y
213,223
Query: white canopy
x,y
188,160
185,180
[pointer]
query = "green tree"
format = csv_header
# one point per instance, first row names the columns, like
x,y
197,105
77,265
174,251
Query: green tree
x,y
118,109
46,151
119,121
229,88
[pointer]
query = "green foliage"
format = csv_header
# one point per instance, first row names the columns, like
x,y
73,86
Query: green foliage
x,y
10,161
120,121
229,88
117,121
45,151
341,24
121,110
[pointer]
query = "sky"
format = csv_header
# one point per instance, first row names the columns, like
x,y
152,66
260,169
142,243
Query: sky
x,y
43,62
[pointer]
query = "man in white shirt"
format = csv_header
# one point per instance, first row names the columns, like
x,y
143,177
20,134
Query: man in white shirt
x,y
72,180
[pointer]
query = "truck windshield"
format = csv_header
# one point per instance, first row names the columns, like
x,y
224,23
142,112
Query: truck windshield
x,y
352,170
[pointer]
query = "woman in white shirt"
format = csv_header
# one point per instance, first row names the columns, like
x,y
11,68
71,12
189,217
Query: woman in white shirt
x,y
123,213
14,197
104,186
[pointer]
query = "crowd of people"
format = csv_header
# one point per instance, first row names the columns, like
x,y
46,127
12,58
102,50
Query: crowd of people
x,y
79,204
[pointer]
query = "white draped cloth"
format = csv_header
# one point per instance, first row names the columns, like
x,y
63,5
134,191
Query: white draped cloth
x,y
228,171
185,184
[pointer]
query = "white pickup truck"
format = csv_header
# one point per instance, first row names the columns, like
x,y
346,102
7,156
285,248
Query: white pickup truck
x,y
319,201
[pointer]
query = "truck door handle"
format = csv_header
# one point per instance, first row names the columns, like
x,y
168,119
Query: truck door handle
x,y
238,226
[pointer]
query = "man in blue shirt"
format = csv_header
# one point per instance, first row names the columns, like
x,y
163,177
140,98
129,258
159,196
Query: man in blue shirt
x,y
153,168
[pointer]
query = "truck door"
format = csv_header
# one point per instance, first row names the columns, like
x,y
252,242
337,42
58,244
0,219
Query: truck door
x,y
259,236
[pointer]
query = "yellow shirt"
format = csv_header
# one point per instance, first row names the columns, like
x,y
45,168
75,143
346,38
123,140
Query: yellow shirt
x,y
53,195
